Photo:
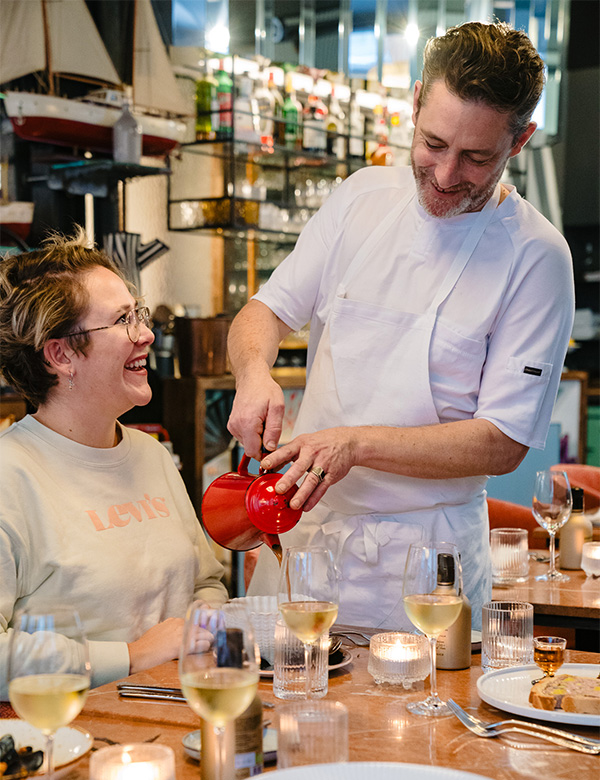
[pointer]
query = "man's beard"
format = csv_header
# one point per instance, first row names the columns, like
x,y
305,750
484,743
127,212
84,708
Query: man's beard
x,y
470,199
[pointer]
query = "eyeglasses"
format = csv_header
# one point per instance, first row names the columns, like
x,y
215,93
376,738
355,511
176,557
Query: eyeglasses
x,y
131,320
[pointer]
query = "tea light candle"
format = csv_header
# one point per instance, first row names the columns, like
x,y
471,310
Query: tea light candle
x,y
398,657
133,762
590,559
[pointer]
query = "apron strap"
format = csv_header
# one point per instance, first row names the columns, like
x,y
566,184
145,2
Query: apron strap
x,y
463,256
368,247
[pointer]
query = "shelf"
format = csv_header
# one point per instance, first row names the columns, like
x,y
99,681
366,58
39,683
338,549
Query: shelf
x,y
96,176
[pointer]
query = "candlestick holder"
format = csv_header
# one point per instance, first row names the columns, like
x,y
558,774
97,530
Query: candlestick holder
x,y
136,761
590,559
399,658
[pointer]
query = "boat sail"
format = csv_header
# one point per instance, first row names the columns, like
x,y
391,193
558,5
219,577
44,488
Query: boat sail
x,y
59,37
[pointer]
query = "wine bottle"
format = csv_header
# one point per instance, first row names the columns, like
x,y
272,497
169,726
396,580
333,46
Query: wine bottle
x,y
278,124
206,88
225,100
454,643
292,111
575,532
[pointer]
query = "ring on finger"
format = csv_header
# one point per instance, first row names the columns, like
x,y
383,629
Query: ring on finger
x,y
318,472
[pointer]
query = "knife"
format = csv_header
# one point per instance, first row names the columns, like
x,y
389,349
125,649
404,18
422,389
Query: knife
x,y
129,691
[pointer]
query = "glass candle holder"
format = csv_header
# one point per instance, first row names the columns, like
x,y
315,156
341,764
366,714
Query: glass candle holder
x,y
136,761
590,559
399,658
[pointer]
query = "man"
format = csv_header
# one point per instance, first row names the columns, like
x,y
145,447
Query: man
x,y
440,307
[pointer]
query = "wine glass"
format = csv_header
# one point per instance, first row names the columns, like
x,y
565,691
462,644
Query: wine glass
x,y
552,503
308,597
48,670
218,670
432,593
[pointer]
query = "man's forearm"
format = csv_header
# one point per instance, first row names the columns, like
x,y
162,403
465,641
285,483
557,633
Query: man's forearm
x,y
458,449
254,339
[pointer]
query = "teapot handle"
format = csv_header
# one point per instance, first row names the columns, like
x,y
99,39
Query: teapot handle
x,y
243,467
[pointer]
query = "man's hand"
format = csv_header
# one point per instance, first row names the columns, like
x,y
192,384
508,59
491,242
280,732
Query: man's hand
x,y
257,414
333,450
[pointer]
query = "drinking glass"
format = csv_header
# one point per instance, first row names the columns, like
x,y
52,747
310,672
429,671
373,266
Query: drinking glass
x,y
552,503
308,598
432,607
549,654
218,670
48,670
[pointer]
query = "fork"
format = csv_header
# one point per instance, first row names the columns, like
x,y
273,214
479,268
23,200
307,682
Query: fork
x,y
556,736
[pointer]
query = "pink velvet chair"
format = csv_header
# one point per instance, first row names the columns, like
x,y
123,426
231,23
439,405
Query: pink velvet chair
x,y
586,477
505,514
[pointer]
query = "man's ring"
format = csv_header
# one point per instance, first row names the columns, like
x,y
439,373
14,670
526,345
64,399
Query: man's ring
x,y
318,472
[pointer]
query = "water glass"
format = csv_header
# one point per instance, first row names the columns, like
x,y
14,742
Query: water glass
x,y
507,634
312,732
510,555
289,675
590,559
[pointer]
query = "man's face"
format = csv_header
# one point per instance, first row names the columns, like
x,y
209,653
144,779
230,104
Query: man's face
x,y
459,151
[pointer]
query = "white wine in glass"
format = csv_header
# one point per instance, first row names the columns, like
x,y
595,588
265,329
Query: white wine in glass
x,y
308,597
431,606
219,672
48,671
552,504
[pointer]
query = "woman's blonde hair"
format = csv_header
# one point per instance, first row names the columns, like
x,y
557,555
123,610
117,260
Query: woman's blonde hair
x,y
489,62
43,297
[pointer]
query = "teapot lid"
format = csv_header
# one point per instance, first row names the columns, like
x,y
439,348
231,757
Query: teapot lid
x,y
268,510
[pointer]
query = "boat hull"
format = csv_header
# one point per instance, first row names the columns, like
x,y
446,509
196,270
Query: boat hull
x,y
17,217
79,123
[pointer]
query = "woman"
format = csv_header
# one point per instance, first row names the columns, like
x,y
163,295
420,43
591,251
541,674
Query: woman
x,y
92,513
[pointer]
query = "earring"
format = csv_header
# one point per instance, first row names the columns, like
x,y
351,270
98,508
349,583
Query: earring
x,y
71,382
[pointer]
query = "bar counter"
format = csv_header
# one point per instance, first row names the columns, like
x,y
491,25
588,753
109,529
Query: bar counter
x,y
381,729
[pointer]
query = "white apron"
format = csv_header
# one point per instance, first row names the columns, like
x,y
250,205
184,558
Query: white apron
x,y
372,368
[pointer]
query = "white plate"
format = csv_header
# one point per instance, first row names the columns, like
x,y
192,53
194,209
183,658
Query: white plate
x,y
347,658
367,770
193,741
508,689
69,743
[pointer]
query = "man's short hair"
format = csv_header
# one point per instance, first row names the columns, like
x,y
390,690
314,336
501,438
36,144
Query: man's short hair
x,y
492,63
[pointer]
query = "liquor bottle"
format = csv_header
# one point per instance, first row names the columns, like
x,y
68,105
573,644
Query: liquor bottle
x,y
292,111
266,108
246,114
279,126
225,100
356,142
206,95
314,136
454,643
575,532
127,134
336,128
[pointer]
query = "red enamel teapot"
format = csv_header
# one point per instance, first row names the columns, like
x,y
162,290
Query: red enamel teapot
x,y
240,510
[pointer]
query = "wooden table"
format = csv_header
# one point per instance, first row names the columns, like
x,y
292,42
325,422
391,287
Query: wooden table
x,y
570,605
380,726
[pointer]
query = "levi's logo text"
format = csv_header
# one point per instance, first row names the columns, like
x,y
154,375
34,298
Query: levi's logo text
x,y
532,370
120,515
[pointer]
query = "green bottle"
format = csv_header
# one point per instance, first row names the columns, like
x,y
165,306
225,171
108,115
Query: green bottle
x,y
292,110
205,96
225,101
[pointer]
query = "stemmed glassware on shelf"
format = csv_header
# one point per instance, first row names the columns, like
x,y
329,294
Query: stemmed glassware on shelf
x,y
552,504
48,670
308,598
432,607
218,670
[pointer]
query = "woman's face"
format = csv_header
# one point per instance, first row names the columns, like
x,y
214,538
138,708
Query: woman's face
x,y
112,374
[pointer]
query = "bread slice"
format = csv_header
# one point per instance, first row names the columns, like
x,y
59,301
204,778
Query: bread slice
x,y
568,692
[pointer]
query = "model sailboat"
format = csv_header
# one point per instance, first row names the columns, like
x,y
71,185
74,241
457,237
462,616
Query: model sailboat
x,y
59,38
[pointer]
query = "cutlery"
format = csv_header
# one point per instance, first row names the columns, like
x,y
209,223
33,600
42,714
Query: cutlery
x,y
346,634
556,736
131,691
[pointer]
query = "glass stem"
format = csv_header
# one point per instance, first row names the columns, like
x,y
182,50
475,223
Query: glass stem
x,y
433,676
308,664
50,755
552,569
221,758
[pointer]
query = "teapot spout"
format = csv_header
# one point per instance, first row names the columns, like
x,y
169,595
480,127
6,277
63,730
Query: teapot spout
x,y
274,543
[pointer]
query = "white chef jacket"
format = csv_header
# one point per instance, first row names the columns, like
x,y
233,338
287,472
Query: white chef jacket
x,y
498,342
